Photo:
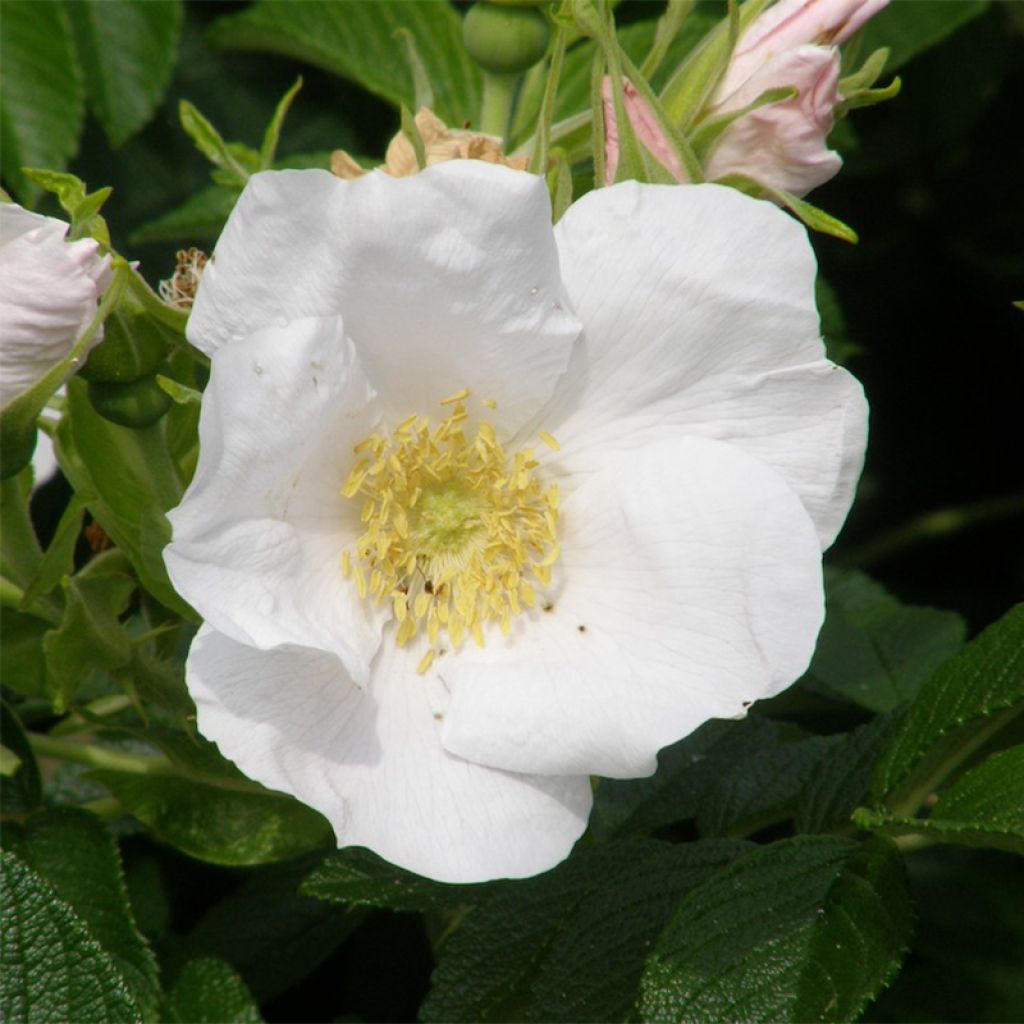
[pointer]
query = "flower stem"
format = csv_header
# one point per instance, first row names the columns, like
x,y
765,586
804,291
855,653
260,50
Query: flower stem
x,y
98,708
97,757
941,523
542,140
496,106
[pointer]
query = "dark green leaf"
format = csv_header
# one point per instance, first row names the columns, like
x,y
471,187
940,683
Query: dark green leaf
x,y
134,481
970,696
51,969
217,824
984,808
20,553
160,686
22,791
761,785
209,992
41,102
22,664
593,964
270,933
804,929
127,51
839,782
76,854
59,560
874,650
909,29
568,945
357,877
734,777
357,41
90,637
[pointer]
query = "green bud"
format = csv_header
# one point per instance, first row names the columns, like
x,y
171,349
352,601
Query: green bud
x,y
503,38
16,449
133,346
137,404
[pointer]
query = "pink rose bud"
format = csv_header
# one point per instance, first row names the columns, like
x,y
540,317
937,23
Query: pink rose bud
x,y
793,43
645,126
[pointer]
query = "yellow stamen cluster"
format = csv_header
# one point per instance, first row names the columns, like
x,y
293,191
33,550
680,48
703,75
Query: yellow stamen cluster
x,y
455,529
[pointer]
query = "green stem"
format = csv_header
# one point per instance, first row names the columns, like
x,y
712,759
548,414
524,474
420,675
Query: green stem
x,y
496,106
173,318
107,807
97,757
539,157
11,595
941,523
99,708
906,804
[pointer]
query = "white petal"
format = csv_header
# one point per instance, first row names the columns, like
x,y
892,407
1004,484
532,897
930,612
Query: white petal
x,y
372,763
446,279
258,536
690,586
698,305
48,293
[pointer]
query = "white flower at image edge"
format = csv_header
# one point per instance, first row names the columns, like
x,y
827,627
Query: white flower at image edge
x,y
612,452
49,290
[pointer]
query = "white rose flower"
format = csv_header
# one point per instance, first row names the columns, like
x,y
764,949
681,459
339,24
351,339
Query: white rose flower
x,y
610,452
49,290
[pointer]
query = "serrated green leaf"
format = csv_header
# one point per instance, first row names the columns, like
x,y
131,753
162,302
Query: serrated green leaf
x,y
127,52
20,553
356,40
270,933
357,877
59,560
131,480
840,781
159,686
910,29
969,696
568,945
22,790
235,826
984,808
731,776
873,649
804,929
223,155
208,991
51,969
269,147
22,664
71,194
41,97
592,967
761,785
201,216
90,637
76,854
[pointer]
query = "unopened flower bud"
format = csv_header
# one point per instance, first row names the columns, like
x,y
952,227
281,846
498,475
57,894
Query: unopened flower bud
x,y
504,39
